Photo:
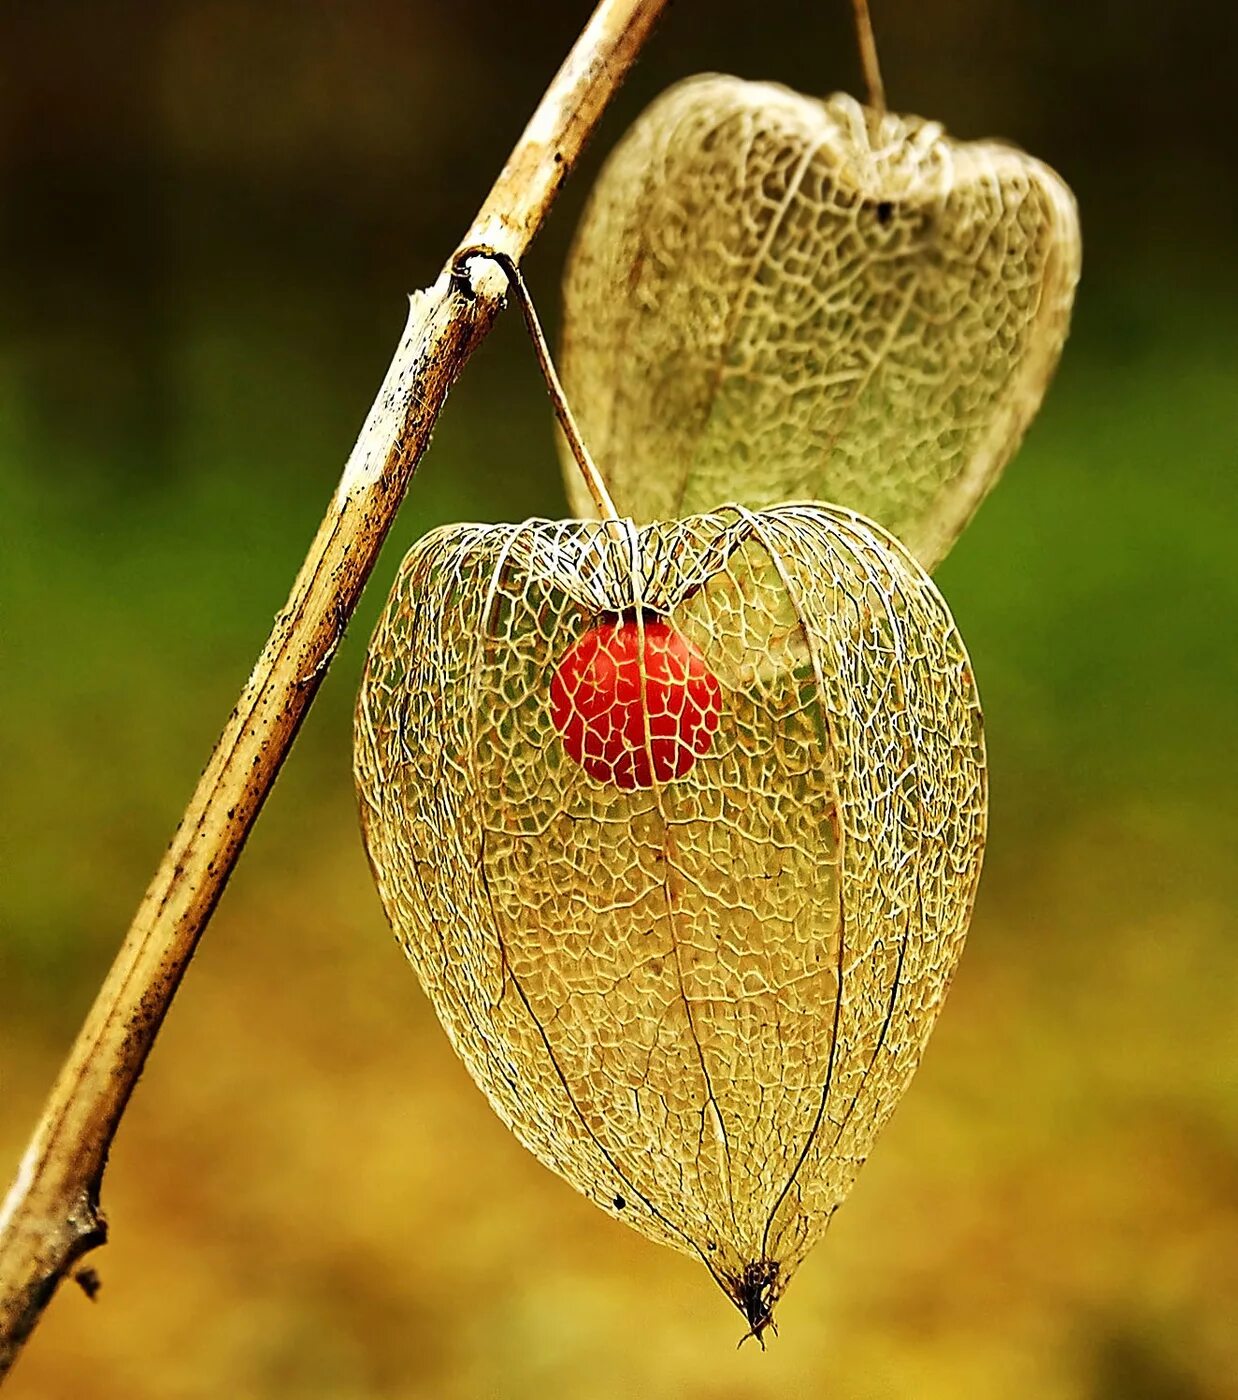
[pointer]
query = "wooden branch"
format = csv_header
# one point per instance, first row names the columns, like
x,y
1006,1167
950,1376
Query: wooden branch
x,y
51,1217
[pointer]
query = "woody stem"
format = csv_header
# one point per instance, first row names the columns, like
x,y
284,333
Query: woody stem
x,y
51,1216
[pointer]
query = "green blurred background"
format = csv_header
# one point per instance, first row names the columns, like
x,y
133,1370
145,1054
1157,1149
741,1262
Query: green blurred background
x,y
209,212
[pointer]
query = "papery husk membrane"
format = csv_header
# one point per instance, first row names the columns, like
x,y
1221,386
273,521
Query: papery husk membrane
x,y
774,297
696,1002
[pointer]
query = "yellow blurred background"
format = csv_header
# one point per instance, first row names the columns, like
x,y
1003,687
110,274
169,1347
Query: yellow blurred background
x,y
209,212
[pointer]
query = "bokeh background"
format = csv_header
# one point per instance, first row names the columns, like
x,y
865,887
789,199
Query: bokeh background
x,y
209,212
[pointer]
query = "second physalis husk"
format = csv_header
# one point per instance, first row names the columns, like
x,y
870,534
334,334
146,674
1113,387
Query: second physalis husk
x,y
680,827
775,297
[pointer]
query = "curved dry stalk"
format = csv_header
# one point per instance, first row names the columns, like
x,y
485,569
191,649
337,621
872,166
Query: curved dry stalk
x,y
868,56
554,387
51,1217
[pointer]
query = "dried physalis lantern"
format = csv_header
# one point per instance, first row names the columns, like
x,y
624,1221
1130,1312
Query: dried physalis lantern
x,y
680,827
775,297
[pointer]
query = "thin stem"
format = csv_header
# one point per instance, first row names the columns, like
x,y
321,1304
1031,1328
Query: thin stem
x,y
868,56
50,1217
554,385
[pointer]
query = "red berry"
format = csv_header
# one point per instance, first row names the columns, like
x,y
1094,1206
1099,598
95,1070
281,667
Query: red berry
x,y
634,717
